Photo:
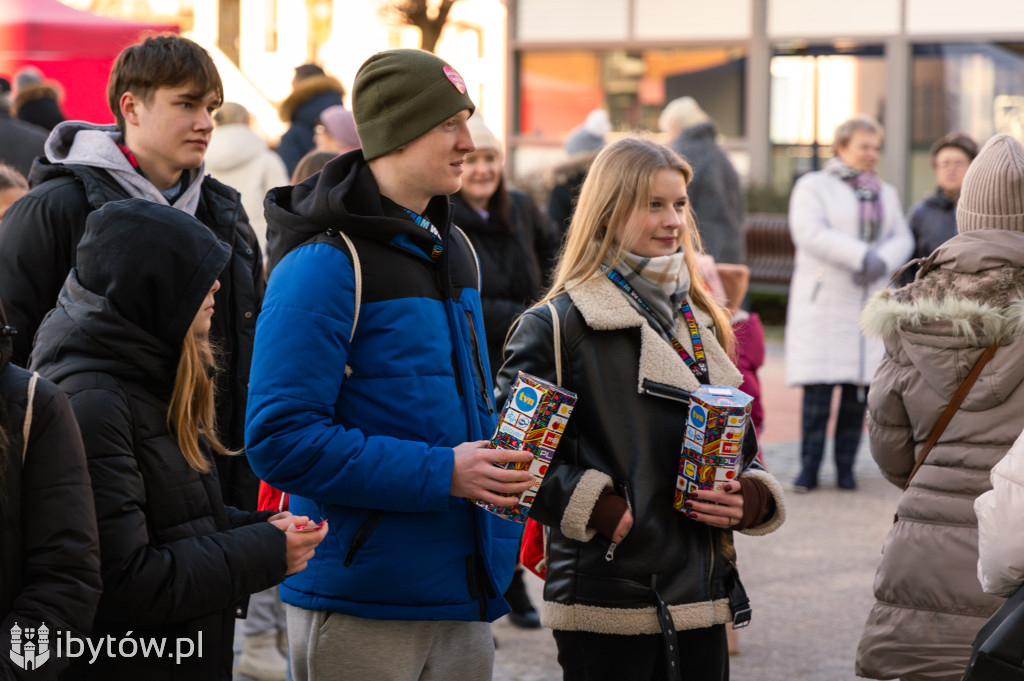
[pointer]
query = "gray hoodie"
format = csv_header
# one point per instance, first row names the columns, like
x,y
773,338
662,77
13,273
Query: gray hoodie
x,y
88,144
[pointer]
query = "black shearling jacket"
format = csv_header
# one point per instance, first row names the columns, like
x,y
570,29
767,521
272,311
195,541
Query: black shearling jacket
x,y
626,432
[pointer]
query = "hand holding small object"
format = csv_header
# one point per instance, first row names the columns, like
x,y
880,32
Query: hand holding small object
x,y
718,509
475,475
872,268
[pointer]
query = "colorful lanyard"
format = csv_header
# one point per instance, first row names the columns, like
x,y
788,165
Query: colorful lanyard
x,y
426,224
698,367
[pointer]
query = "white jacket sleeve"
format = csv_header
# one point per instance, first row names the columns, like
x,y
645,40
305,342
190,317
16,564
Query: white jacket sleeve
x,y
1000,510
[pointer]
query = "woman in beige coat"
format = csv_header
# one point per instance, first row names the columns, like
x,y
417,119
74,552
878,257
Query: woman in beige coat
x,y
968,294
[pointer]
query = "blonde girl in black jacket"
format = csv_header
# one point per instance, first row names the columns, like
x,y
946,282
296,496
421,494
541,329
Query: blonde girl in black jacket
x,y
636,589
129,343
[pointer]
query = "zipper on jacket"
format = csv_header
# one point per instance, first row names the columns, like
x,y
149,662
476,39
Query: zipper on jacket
x,y
711,552
479,363
362,534
610,553
818,279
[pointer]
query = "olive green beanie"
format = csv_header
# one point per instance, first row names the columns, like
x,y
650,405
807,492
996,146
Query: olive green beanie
x,y
399,95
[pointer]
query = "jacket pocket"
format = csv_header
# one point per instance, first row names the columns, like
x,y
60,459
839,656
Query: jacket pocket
x,y
478,364
621,488
362,535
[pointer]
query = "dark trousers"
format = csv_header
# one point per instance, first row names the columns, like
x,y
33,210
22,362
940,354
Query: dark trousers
x,y
817,407
703,656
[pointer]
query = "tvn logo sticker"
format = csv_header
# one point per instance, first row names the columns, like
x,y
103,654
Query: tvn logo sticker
x,y
526,400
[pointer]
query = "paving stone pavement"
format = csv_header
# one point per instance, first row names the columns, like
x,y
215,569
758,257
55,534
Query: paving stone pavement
x,y
809,584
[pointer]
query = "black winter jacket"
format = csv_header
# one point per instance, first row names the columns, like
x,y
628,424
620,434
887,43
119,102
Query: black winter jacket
x,y
302,109
626,432
715,193
933,222
49,549
39,236
514,265
20,143
175,562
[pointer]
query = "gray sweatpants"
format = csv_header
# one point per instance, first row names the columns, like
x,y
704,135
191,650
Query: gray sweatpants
x,y
328,646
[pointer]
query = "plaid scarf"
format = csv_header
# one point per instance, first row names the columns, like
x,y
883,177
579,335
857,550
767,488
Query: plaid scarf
x,y
662,282
868,188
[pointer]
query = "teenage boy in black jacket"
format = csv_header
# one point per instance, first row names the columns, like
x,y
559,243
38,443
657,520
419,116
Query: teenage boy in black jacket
x,y
162,92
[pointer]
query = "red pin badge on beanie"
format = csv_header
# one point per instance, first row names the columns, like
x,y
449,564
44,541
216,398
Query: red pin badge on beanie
x,y
456,79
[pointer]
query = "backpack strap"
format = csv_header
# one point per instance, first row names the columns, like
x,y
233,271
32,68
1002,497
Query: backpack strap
x,y
26,427
358,271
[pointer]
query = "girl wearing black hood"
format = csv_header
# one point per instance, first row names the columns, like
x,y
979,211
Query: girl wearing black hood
x,y
49,551
128,343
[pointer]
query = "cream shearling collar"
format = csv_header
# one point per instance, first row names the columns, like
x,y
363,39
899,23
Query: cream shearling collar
x,y
604,308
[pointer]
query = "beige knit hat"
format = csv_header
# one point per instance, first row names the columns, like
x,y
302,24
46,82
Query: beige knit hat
x,y
992,196
483,138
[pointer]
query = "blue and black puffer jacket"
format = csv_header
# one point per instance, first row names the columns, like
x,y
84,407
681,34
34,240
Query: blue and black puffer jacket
x,y
361,433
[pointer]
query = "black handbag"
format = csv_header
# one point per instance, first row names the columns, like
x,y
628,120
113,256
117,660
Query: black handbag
x,y
998,650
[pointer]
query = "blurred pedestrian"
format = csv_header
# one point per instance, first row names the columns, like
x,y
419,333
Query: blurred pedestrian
x,y
581,146
130,346
370,398
636,589
716,197
966,298
49,547
336,131
37,99
516,246
241,159
13,186
850,236
312,92
933,220
311,164
20,142
162,93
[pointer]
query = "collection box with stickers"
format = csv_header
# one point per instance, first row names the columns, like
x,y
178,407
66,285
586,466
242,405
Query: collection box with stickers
x,y
713,450
533,419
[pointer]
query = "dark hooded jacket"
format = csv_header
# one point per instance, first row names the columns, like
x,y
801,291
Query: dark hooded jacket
x,y
716,196
302,110
39,236
175,562
514,264
933,222
361,429
49,549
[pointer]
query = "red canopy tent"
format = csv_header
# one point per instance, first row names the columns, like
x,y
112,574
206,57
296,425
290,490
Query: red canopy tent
x,y
71,47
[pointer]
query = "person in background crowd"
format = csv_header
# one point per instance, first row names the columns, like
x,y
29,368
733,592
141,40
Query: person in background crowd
x,y
636,589
130,346
933,220
516,246
370,398
749,335
20,142
13,186
162,93
966,297
49,546
37,100
581,146
311,164
336,131
240,158
312,92
850,236
716,197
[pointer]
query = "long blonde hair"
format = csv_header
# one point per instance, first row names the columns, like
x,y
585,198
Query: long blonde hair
x,y
191,411
617,187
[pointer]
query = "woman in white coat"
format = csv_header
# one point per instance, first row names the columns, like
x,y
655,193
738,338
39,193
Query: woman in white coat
x,y
850,236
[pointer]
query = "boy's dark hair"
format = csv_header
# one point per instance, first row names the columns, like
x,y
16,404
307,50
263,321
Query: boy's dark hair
x,y
308,71
958,140
161,61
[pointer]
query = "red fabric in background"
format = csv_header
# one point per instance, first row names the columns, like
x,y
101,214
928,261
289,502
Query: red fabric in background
x,y
74,48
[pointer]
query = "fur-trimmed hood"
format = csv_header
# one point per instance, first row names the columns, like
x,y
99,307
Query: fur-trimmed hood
x,y
604,308
973,284
306,90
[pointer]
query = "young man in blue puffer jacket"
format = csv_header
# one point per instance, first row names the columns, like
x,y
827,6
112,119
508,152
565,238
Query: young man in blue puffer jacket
x,y
370,396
